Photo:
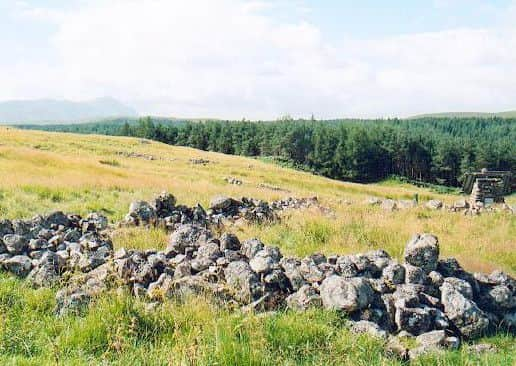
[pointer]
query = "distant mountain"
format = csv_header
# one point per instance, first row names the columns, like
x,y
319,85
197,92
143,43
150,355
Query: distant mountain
x,y
507,114
43,111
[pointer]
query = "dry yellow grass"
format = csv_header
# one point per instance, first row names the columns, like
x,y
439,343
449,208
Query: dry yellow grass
x,y
42,171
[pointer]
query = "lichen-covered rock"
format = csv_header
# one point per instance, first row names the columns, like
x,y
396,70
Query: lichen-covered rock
x,y
423,251
499,298
462,312
164,204
414,275
250,247
57,218
94,222
434,204
346,267
394,273
241,278
262,262
310,271
433,338
304,298
453,283
229,241
221,203
71,301
209,251
6,227
20,265
141,212
47,271
414,320
346,294
15,243
367,327
187,236
291,267
389,205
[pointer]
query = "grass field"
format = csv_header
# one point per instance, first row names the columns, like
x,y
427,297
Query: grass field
x,y
40,172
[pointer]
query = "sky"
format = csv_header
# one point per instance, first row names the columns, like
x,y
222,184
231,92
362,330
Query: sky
x,y
263,59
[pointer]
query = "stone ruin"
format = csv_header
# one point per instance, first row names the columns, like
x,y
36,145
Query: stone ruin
x,y
164,212
487,187
431,300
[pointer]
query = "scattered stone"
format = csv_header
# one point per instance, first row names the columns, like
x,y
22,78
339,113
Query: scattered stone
x,y
434,204
373,201
433,338
272,188
417,352
389,205
367,327
200,161
481,348
133,154
460,205
233,180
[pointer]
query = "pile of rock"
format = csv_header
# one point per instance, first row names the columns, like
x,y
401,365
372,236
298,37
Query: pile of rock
x,y
234,181
426,298
164,212
293,203
435,301
434,205
132,154
389,204
200,161
250,209
272,188
46,246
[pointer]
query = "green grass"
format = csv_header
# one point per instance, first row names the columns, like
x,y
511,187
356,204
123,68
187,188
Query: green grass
x,y
41,172
118,330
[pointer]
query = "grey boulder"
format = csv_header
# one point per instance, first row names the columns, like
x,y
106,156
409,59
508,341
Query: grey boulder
x,y
346,294
423,251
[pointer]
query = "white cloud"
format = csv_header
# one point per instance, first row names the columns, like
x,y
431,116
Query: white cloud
x,y
228,59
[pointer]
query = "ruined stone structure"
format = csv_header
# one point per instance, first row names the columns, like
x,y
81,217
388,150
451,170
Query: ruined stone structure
x,y
487,187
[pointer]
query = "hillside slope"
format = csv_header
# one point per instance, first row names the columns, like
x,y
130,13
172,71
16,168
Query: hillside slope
x,y
40,172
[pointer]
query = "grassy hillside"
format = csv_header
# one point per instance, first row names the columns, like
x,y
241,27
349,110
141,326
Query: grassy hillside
x,y
40,172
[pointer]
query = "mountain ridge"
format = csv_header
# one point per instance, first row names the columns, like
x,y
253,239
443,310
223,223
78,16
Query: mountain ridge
x,y
43,111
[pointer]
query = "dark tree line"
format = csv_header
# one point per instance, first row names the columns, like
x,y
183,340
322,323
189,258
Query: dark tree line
x,y
433,150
